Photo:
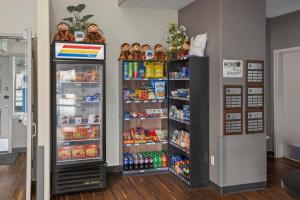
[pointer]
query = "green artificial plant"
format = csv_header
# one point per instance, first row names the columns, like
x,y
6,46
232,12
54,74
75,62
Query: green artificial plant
x,y
77,23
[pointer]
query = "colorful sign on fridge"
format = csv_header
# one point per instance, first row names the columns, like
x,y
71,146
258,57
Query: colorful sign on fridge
x,y
79,51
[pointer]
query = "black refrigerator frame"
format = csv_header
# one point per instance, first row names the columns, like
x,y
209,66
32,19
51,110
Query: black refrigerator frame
x,y
87,175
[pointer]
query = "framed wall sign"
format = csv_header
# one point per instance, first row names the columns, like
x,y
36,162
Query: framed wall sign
x,y
233,68
255,72
254,121
254,96
233,122
233,97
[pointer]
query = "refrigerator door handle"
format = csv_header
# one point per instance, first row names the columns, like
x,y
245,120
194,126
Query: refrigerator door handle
x,y
33,124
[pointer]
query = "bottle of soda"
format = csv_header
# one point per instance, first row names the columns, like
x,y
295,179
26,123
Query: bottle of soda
x,y
130,162
155,160
164,160
159,162
150,160
141,160
135,162
146,162
126,163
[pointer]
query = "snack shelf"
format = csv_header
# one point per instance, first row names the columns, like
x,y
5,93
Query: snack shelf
x,y
145,101
180,177
180,121
147,143
145,118
145,112
78,142
190,75
179,79
172,143
145,171
180,98
145,79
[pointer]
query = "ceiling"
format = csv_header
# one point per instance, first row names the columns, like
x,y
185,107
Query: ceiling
x,y
281,7
159,4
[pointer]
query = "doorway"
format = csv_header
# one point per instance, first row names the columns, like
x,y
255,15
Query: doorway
x,y
17,129
286,103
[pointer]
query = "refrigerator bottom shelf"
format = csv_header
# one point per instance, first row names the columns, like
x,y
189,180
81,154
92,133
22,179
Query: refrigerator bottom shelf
x,y
64,162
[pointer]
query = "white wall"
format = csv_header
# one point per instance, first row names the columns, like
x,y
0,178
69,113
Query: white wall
x,y
16,15
119,25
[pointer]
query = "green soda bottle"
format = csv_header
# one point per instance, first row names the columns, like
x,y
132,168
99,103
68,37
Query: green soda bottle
x,y
155,161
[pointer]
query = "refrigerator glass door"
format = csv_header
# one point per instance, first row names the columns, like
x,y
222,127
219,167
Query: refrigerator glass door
x,y
79,111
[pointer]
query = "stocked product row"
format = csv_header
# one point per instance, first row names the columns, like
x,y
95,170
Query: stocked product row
x,y
140,135
155,90
83,74
145,160
78,152
148,114
142,70
79,119
181,166
78,133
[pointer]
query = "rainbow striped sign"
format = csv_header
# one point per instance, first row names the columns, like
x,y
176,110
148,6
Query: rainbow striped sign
x,y
79,51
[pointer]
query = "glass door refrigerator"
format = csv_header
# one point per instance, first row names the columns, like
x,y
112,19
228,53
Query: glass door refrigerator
x,y
78,117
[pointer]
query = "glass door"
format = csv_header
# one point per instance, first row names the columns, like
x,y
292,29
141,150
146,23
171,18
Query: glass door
x,y
79,112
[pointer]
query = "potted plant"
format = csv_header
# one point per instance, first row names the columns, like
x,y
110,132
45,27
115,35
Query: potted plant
x,y
77,23
176,37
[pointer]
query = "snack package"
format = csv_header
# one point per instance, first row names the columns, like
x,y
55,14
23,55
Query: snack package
x,y
69,75
78,152
92,132
160,89
67,135
80,133
150,70
126,94
64,119
159,70
91,151
150,113
159,112
64,153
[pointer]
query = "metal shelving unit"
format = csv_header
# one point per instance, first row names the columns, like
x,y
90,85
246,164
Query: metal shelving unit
x,y
149,123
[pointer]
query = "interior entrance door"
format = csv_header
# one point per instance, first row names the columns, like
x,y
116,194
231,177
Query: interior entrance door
x,y
291,99
5,103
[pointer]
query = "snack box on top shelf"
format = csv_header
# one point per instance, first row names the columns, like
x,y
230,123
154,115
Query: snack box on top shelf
x,y
143,70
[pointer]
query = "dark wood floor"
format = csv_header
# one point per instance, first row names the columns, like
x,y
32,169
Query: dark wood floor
x,y
13,179
161,186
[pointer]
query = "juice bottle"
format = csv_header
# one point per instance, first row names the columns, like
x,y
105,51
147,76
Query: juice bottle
x,y
150,162
136,162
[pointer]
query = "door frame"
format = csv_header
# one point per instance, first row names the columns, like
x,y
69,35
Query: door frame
x,y
10,55
279,99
